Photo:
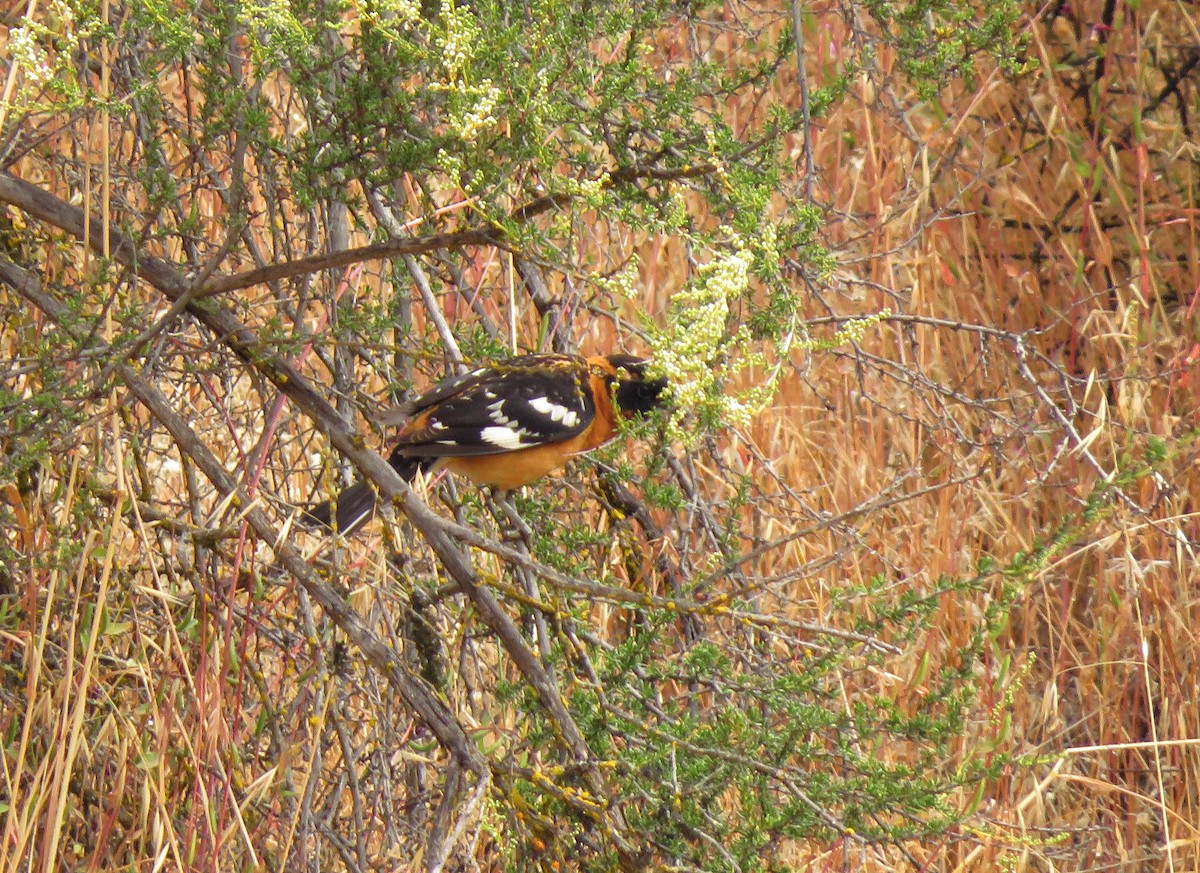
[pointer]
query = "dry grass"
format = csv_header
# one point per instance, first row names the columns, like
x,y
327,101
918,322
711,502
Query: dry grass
x,y
168,708
1028,210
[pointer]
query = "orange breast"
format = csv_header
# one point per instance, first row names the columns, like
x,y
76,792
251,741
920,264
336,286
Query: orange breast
x,y
511,469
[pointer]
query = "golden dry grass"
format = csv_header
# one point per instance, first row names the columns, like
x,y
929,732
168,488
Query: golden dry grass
x,y
1036,209
1026,210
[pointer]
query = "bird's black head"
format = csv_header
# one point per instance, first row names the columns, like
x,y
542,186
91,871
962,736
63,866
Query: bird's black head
x,y
635,393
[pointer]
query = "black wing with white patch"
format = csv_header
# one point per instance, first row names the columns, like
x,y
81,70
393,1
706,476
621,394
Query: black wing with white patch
x,y
530,401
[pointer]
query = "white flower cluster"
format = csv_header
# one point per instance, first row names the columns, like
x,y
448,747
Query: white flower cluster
x,y
622,283
25,51
452,164
459,47
462,35
854,329
469,124
690,355
391,11
704,353
768,242
32,64
851,332
710,138
591,190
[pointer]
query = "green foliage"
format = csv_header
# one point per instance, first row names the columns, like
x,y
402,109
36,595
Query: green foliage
x,y
729,744
941,40
705,745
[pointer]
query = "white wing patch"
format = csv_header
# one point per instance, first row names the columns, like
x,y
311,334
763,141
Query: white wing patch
x,y
555,411
505,438
496,412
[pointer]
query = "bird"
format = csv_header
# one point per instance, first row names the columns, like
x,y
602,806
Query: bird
x,y
507,424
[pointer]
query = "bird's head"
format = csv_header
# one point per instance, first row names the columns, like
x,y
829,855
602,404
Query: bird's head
x,y
635,392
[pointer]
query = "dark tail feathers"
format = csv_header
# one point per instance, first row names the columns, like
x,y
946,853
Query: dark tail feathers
x,y
355,506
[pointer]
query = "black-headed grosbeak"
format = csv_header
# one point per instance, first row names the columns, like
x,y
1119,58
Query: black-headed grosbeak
x,y
507,424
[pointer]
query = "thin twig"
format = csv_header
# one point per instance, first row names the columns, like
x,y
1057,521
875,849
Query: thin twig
x,y
805,119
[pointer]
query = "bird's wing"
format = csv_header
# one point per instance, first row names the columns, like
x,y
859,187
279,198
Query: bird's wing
x,y
526,402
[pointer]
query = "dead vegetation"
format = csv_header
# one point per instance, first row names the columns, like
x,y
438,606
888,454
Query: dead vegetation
x,y
174,694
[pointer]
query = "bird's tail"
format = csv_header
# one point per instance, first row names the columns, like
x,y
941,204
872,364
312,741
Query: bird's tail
x,y
355,506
